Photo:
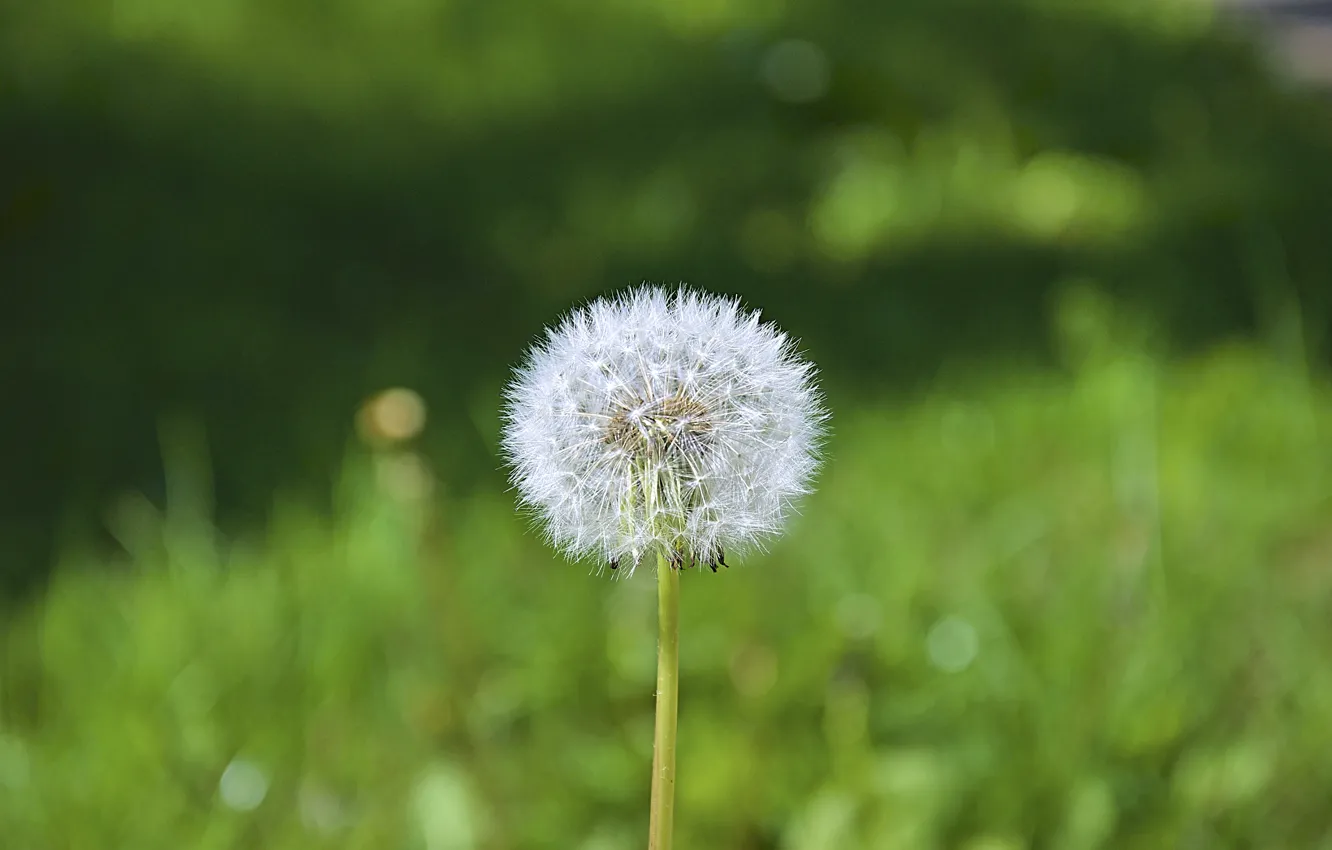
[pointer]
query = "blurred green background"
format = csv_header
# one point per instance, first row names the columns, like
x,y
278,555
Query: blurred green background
x,y
1065,268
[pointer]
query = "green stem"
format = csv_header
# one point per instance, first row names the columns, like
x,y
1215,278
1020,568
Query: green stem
x,y
668,691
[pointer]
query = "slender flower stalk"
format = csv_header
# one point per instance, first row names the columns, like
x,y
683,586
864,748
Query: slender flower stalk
x,y
662,423
661,814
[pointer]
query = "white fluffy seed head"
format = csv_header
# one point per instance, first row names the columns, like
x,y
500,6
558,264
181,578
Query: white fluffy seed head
x,y
666,421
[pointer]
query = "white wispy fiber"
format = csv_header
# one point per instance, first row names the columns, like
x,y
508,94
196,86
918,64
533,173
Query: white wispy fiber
x,y
662,420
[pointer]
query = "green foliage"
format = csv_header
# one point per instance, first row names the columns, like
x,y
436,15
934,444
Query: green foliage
x,y
1066,604
1076,609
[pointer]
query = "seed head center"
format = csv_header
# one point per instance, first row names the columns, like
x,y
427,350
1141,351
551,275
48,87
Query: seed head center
x,y
660,427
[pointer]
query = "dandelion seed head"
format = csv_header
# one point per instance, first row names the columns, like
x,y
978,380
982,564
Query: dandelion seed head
x,y
662,420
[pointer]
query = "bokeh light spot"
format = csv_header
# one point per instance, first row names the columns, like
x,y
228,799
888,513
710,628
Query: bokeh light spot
x,y
243,786
796,71
392,416
858,208
952,644
1047,196
444,809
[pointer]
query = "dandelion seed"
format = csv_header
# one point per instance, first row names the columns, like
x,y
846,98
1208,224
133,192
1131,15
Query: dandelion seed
x,y
669,422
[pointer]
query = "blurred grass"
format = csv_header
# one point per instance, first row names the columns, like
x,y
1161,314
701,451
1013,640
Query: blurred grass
x,y
1074,608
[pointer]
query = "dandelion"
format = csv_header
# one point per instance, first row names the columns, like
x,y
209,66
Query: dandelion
x,y
673,424
659,421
